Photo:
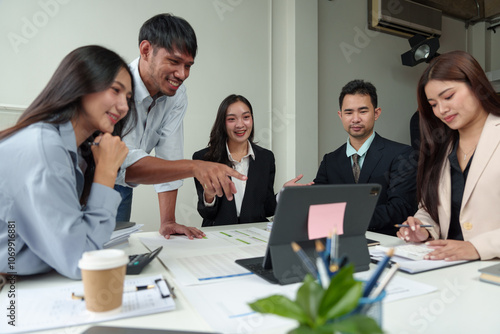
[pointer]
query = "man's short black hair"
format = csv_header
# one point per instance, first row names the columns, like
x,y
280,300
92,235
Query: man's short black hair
x,y
169,32
359,87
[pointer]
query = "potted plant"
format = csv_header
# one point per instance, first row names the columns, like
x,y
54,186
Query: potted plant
x,y
334,310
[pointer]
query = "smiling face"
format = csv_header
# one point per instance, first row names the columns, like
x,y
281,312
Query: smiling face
x,y
239,123
358,117
454,104
102,110
163,71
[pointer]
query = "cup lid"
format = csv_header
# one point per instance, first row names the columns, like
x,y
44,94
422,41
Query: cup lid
x,y
103,259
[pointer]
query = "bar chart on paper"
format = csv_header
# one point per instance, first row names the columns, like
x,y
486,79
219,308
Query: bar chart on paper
x,y
220,250
225,305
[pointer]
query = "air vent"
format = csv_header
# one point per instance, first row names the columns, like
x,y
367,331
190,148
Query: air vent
x,y
404,18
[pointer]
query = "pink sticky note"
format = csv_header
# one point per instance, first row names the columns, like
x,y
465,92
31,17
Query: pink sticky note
x,y
323,218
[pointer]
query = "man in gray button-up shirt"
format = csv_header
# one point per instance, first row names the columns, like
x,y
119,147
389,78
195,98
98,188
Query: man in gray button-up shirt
x,y
167,46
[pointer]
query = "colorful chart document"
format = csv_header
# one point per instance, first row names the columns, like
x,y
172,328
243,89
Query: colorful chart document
x,y
220,251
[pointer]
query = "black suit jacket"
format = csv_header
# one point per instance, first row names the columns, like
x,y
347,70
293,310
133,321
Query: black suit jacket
x,y
259,201
392,165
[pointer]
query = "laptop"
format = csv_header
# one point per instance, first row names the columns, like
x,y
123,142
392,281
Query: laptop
x,y
280,264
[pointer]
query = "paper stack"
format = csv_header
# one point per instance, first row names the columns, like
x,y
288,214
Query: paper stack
x,y
122,233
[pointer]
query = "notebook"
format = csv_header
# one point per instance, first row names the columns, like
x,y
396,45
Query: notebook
x,y
280,264
411,266
490,274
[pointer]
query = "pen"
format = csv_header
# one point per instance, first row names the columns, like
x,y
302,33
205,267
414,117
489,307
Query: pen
x,y
305,260
378,271
385,281
76,297
406,225
334,252
323,277
328,248
138,288
125,289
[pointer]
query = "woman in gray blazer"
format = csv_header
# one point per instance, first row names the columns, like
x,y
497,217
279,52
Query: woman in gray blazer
x,y
59,165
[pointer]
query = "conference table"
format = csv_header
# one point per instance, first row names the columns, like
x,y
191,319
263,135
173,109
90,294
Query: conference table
x,y
460,302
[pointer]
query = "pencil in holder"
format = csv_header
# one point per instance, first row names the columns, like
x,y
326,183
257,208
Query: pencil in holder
x,y
372,307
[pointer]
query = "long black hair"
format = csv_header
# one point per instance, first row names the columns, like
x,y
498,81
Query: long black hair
x,y
86,70
218,136
436,137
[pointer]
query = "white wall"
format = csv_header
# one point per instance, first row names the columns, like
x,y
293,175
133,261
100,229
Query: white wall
x,y
289,57
349,50
234,40
294,88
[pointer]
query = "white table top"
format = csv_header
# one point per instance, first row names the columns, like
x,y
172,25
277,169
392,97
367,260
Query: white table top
x,y
461,304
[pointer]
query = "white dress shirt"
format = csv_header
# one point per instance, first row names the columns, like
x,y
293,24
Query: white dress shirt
x,y
160,129
242,168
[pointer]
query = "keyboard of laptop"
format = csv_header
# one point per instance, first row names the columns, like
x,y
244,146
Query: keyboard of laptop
x,y
254,264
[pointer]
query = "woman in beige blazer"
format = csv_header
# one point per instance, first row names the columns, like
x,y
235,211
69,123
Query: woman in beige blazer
x,y
459,164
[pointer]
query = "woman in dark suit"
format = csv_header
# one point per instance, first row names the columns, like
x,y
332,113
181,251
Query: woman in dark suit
x,y
231,143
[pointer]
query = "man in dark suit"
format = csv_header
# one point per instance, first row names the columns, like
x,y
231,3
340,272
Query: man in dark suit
x,y
369,158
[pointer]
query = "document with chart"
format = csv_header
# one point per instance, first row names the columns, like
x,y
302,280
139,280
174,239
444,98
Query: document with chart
x,y
220,249
55,307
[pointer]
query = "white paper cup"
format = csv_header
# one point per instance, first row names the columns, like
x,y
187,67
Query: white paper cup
x,y
103,274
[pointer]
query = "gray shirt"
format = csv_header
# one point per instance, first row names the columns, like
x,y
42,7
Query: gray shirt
x,y
40,212
160,128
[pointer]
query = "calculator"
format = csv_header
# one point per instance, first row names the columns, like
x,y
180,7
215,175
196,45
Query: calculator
x,y
139,261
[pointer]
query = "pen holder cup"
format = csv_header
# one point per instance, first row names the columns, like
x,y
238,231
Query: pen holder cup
x,y
371,307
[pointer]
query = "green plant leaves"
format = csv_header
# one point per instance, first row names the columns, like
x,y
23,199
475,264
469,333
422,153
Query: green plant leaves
x,y
356,324
282,306
342,295
309,297
321,311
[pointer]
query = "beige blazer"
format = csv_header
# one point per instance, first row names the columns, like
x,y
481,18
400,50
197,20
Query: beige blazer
x,y
480,211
